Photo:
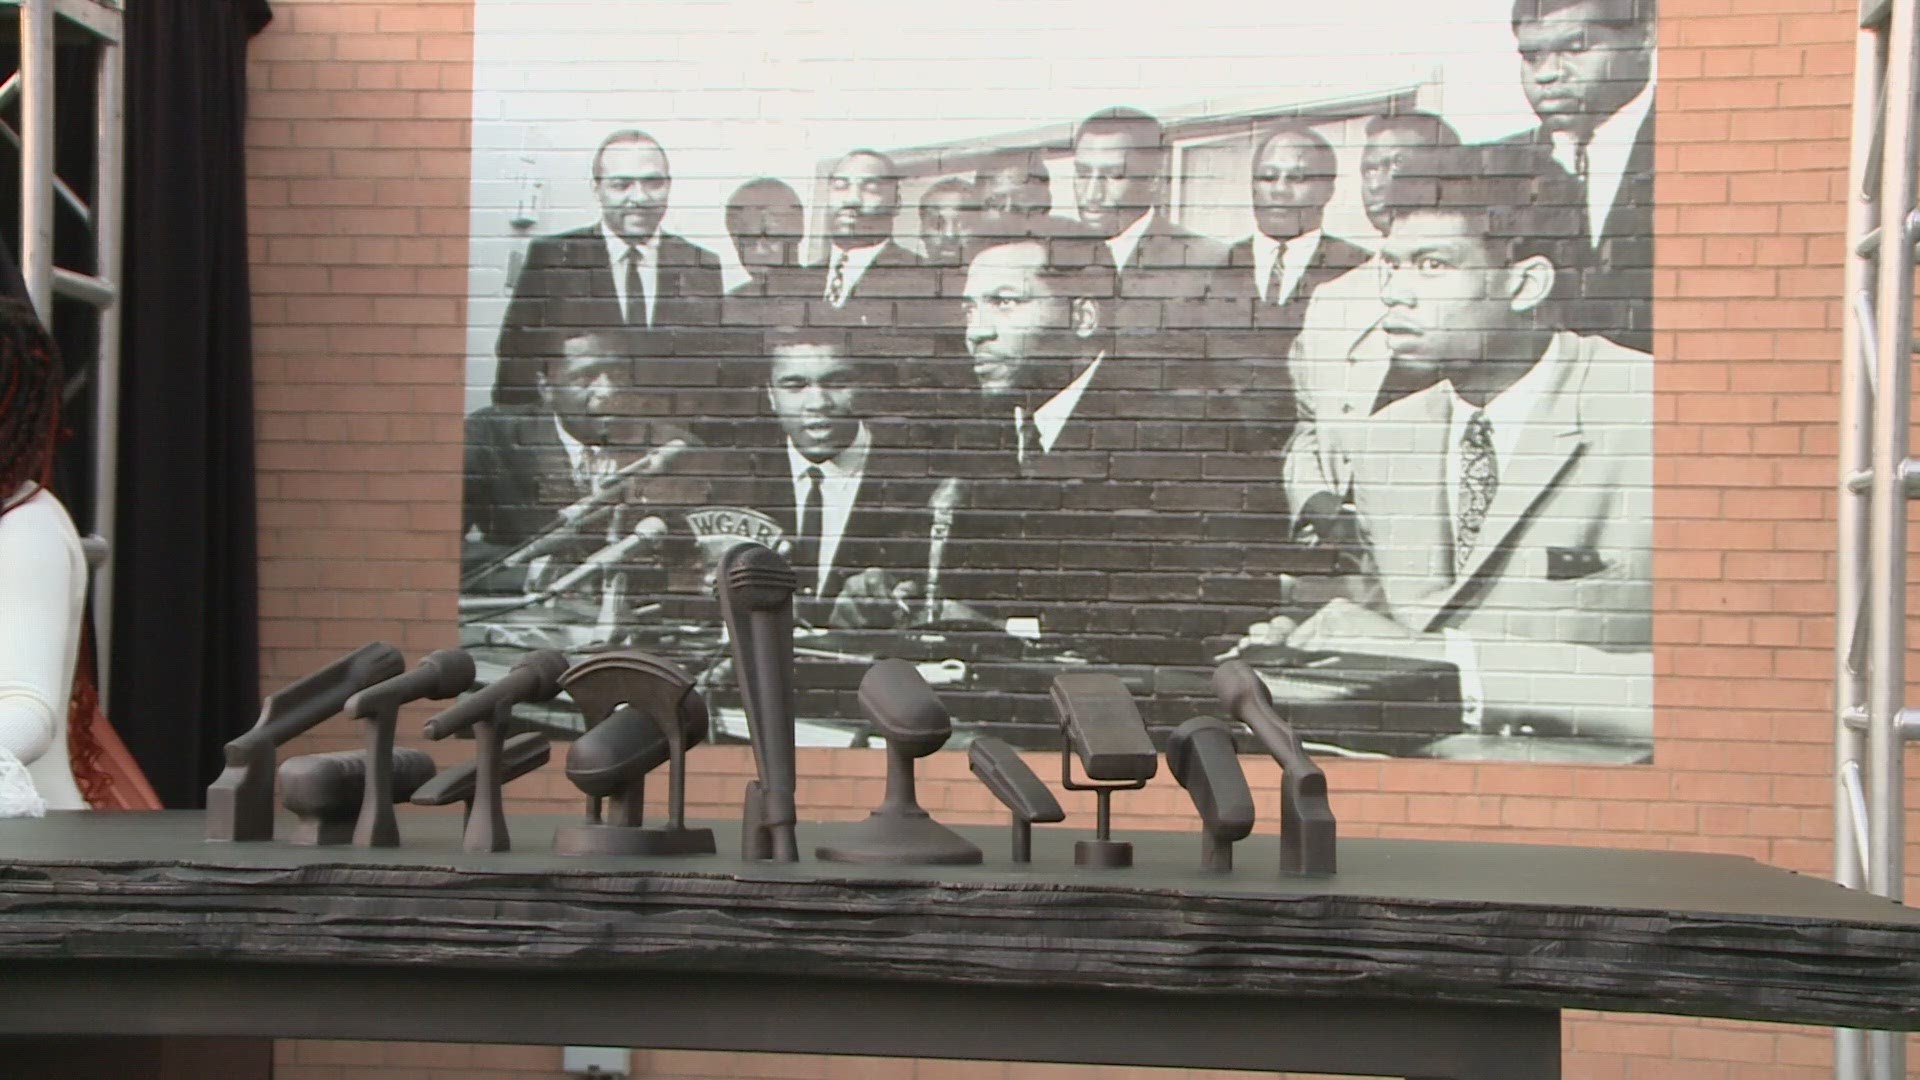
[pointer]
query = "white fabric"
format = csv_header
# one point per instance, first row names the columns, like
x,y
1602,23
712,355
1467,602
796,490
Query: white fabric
x,y
18,796
43,591
1051,418
840,478
617,248
1607,155
1123,245
1294,259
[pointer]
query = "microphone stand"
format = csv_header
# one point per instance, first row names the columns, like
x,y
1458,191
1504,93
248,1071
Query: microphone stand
x,y
756,586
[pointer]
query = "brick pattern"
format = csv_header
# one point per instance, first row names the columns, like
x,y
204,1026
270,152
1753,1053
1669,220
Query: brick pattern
x,y
358,168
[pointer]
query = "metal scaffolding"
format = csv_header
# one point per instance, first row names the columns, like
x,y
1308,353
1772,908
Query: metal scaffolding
x,y
101,25
1871,722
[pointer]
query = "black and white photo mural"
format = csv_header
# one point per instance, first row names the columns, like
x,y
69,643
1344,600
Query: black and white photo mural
x,y
1057,338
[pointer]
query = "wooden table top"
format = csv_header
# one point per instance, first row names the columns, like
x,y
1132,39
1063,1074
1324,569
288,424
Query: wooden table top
x,y
1466,923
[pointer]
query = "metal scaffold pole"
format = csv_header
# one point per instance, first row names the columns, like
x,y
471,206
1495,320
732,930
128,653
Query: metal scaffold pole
x,y
1877,478
101,24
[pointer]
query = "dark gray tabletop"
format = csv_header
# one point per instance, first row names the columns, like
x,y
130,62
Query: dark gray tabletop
x,y
1457,923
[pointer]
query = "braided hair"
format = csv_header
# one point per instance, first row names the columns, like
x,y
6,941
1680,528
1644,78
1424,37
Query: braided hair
x,y
29,399
30,382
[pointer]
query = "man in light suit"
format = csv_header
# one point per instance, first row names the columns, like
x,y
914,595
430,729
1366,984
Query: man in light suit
x,y
1587,69
1505,511
1339,366
623,271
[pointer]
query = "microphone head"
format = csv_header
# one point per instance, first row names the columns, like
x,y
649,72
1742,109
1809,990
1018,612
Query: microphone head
x,y
452,673
757,576
904,708
1103,726
546,666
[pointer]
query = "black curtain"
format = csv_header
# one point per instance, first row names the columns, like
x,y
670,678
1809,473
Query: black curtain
x,y
185,628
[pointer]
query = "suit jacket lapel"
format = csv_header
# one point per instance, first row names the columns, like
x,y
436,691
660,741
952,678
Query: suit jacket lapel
x,y
1405,514
1548,443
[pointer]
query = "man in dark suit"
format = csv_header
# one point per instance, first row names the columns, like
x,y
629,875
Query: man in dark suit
x,y
1273,273
853,507
622,271
766,221
526,463
1015,193
1587,69
1100,474
1120,161
864,271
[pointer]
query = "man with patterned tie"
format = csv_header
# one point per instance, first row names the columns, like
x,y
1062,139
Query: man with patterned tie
x,y
1506,511
1587,69
1275,271
864,272
623,271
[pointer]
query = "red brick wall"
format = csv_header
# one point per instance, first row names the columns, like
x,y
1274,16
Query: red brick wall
x,y
358,166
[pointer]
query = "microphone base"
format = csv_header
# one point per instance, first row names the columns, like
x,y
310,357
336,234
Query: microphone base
x,y
1103,854
908,838
590,839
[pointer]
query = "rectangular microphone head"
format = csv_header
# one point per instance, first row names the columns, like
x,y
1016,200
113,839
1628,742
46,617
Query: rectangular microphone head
x,y
1104,727
999,766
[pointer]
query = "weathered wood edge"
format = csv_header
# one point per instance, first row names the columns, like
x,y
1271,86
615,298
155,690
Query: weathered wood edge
x,y
1006,934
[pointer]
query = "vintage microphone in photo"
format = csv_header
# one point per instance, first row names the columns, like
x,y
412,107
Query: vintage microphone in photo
x,y
534,678
440,675
644,536
583,514
942,504
756,588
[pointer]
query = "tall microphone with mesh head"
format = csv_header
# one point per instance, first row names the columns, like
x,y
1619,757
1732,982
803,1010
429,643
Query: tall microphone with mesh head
x,y
535,678
756,586
440,675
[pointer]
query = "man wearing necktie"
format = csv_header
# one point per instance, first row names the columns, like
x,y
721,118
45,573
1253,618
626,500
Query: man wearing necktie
x,y
623,273
1038,344
865,271
1275,271
1587,68
853,506
1506,511
1338,365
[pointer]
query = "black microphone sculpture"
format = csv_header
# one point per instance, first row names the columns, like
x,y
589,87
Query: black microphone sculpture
x,y
641,710
1306,818
240,800
325,792
756,586
536,677
904,710
1201,756
519,756
1104,730
999,766
439,676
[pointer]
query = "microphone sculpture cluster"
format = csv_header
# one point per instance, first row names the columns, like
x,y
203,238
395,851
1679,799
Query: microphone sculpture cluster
x,y
643,710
